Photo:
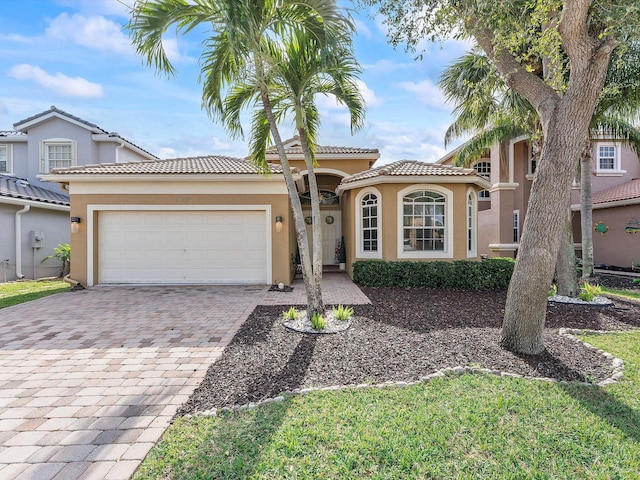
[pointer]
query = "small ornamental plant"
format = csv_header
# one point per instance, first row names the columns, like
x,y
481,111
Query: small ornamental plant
x,y
553,290
588,292
636,281
290,314
318,322
342,313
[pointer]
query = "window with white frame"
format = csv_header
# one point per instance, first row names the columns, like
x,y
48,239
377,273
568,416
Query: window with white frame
x,y
608,159
516,226
471,224
484,170
57,154
5,158
369,225
424,221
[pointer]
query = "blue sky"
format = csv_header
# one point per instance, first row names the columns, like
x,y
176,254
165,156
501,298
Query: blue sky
x,y
75,55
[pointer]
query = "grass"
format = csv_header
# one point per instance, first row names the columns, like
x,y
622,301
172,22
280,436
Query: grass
x,y
632,294
13,293
471,426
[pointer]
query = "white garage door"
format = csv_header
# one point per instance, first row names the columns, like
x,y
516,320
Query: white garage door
x,y
168,247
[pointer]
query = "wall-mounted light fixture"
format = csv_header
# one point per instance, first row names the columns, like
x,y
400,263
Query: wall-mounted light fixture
x,y
278,224
75,221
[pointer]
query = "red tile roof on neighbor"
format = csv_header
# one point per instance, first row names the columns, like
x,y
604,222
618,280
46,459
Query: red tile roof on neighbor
x,y
216,165
14,187
624,191
410,168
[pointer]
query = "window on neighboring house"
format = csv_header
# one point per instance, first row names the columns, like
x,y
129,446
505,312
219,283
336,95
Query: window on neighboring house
x,y
369,207
483,169
516,226
423,220
608,159
5,158
471,225
57,154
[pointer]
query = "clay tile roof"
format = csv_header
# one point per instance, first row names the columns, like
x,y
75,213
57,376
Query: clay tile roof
x,y
19,188
624,191
292,147
11,133
219,165
410,168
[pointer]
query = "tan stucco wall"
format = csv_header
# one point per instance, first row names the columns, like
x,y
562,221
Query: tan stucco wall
x,y
389,220
281,242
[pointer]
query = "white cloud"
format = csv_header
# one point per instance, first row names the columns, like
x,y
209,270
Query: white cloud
x,y
362,29
427,93
167,152
16,38
368,94
57,83
94,32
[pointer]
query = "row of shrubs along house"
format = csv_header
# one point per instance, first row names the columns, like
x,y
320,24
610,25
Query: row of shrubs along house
x,y
214,219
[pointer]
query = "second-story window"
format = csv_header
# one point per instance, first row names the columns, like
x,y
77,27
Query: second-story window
x,y
607,157
57,154
5,158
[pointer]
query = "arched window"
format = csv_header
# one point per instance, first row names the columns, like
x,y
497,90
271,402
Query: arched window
x,y
484,170
471,224
424,221
368,205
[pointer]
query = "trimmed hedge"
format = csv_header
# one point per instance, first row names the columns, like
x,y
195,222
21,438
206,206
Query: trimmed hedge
x,y
489,274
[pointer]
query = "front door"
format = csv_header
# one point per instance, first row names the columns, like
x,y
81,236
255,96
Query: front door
x,y
331,235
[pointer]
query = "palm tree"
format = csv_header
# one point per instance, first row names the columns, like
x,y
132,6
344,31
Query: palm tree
x,y
495,114
302,71
242,54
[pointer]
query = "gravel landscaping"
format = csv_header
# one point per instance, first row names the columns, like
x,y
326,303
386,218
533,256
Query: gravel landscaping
x,y
403,335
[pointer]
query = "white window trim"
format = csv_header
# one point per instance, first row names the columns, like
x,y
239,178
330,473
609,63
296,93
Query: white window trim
x,y
530,173
513,226
9,148
616,171
472,223
448,246
360,253
44,160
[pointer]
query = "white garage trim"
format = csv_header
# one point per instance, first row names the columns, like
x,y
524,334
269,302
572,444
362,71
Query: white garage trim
x,y
91,209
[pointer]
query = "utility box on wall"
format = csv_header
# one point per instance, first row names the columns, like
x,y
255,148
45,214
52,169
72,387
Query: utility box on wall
x,y
37,238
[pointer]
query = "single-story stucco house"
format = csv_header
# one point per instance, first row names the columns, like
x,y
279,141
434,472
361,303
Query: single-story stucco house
x,y
215,220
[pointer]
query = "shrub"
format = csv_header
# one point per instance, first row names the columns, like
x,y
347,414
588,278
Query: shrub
x,y
588,291
489,274
318,322
290,314
636,281
342,313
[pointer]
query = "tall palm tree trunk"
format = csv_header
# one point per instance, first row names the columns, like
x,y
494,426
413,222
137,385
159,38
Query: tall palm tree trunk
x,y
316,226
586,212
314,297
566,277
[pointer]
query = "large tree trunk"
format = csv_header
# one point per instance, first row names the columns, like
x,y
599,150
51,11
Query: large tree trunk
x,y
586,213
566,276
526,306
314,296
316,225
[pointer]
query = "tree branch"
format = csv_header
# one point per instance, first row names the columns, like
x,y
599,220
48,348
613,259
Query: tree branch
x,y
530,86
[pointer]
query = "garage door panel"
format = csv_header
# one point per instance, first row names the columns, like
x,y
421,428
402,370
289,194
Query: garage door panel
x,y
182,247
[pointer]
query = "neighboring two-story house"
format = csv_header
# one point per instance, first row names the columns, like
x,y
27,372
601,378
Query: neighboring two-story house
x,y
34,215
616,200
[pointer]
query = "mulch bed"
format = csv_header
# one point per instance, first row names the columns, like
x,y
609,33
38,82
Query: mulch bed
x,y
404,335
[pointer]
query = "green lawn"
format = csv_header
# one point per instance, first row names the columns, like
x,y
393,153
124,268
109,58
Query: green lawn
x,y
473,426
633,294
13,293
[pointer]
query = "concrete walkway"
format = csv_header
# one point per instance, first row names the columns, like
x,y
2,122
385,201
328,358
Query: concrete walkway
x,y
90,380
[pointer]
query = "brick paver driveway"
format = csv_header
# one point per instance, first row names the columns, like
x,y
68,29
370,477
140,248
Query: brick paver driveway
x,y
89,380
